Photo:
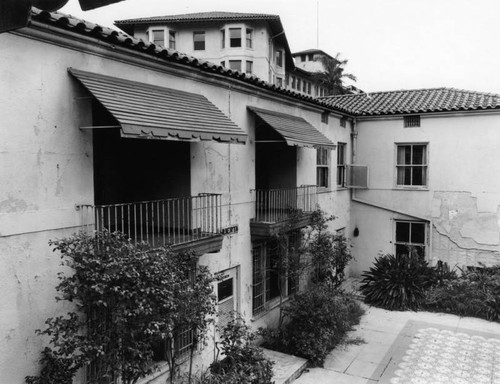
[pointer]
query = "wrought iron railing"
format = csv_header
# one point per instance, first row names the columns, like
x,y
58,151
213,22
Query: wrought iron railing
x,y
275,205
158,222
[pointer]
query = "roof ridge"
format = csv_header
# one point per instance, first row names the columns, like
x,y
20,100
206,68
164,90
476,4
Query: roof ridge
x,y
201,15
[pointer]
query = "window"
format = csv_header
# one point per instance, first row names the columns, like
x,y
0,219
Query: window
x,y
223,38
298,85
343,122
171,39
157,37
279,81
267,284
322,168
249,67
309,88
341,164
410,237
235,65
293,82
199,41
324,117
311,57
304,86
411,164
411,121
235,37
249,38
303,58
279,58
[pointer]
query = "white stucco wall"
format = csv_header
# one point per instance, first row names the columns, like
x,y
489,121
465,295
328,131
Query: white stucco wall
x,y
460,201
46,168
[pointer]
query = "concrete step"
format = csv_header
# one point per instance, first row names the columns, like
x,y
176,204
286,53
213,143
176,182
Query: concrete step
x,y
286,367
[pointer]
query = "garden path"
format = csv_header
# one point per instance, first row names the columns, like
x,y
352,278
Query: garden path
x,y
414,347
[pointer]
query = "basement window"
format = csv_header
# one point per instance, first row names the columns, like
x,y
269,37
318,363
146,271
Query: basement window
x,y
412,121
410,238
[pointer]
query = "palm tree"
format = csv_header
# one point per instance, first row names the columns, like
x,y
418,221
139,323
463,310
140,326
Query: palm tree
x,y
332,77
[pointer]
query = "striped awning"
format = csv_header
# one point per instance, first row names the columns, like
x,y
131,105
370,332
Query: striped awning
x,y
294,130
149,111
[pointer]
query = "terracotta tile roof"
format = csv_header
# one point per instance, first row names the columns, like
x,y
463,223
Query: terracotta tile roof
x,y
116,38
200,16
413,101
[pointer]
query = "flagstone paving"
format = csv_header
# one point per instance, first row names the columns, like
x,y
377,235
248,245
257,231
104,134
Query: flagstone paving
x,y
414,348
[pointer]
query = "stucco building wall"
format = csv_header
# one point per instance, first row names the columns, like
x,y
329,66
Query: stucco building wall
x,y
47,169
461,199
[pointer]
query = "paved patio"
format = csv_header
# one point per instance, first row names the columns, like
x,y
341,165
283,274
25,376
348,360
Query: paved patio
x,y
414,347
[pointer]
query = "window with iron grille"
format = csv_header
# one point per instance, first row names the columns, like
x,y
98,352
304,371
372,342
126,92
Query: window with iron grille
x,y
412,121
410,238
341,164
322,167
199,40
235,37
267,283
411,165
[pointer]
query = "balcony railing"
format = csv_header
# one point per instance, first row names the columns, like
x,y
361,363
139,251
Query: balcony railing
x,y
275,205
158,222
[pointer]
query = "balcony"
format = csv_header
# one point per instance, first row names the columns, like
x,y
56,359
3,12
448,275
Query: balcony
x,y
284,208
186,223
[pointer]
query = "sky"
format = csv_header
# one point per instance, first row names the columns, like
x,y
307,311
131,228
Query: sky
x,y
389,44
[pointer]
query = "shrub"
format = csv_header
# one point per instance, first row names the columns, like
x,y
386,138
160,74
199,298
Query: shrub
x,y
397,282
476,292
317,321
127,297
243,362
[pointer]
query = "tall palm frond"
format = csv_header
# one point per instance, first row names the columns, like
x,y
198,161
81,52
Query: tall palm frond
x,y
332,77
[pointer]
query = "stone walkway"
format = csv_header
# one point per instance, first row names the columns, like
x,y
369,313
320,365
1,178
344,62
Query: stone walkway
x,y
414,347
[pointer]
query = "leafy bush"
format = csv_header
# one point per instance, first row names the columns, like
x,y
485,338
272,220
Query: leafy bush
x,y
127,297
397,282
318,321
476,292
243,362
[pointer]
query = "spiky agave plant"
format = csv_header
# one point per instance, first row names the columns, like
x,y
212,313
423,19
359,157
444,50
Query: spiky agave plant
x,y
396,282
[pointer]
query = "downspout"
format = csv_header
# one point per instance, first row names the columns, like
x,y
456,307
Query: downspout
x,y
354,142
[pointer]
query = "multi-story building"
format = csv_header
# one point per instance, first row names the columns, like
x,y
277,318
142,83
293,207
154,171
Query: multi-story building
x,y
106,131
249,43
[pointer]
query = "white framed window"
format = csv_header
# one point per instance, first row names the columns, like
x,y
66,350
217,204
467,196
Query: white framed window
x,y
199,40
223,38
293,82
235,65
411,164
279,58
249,67
341,164
279,81
322,167
235,37
249,38
410,236
171,39
157,36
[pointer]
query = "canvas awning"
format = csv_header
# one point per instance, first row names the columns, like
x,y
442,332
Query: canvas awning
x,y
294,130
149,111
